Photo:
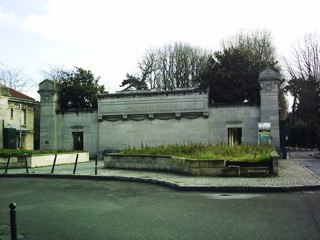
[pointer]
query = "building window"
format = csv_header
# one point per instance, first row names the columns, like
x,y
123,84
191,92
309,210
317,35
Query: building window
x,y
17,106
11,113
30,108
23,117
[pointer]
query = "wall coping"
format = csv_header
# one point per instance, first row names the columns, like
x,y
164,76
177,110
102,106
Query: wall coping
x,y
199,167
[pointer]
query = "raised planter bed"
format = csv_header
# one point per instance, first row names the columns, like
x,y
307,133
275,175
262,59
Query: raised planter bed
x,y
43,160
191,166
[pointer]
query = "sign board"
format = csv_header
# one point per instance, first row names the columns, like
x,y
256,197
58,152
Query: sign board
x,y
152,104
264,130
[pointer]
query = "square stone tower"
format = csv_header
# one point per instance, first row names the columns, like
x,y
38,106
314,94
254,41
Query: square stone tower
x,y
269,107
49,104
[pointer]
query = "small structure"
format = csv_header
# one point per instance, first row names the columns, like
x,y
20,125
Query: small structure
x,y
16,119
269,111
132,119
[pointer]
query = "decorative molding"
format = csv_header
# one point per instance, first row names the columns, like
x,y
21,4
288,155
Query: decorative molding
x,y
151,117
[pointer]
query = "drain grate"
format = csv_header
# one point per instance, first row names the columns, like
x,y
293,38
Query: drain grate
x,y
224,196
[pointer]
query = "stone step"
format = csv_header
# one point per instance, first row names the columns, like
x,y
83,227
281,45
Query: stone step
x,y
258,172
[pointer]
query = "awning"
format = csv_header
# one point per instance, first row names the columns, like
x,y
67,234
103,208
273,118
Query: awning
x,y
23,130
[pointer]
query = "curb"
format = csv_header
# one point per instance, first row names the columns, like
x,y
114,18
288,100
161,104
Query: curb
x,y
316,155
175,186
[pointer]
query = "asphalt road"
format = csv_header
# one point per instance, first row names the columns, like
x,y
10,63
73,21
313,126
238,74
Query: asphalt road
x,y
307,160
88,209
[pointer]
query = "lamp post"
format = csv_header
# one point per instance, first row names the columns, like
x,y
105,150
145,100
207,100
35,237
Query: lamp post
x,y
20,127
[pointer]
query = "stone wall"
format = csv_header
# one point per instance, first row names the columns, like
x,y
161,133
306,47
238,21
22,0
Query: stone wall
x,y
72,121
119,135
191,166
44,160
132,119
123,134
165,163
223,117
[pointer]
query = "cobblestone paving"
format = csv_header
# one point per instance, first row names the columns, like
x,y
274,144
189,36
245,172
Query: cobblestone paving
x,y
291,174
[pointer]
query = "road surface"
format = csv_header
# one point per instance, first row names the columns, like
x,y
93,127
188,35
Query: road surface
x,y
70,209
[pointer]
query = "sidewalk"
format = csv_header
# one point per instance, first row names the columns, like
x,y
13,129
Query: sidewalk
x,y
292,177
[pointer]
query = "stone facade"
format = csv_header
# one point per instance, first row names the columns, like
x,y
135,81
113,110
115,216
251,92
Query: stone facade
x,y
269,110
49,101
16,119
234,124
152,118
132,119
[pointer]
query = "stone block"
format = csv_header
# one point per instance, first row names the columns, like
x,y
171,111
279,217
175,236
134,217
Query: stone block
x,y
258,172
193,163
231,171
216,163
203,164
211,171
194,171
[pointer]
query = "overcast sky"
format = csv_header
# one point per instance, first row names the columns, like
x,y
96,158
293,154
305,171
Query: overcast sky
x,y
108,37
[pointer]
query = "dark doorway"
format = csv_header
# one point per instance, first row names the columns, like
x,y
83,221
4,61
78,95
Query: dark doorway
x,y
10,138
77,141
234,136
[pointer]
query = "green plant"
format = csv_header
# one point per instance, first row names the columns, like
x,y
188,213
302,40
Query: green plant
x,y
201,151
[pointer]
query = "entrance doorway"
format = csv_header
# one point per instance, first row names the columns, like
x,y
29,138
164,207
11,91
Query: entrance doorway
x,y
234,136
77,141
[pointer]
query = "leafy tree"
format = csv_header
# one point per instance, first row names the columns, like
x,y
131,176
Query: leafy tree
x,y
133,83
232,73
283,102
232,76
79,89
172,66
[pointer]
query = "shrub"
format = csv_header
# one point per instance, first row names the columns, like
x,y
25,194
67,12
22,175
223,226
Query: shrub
x,y
244,152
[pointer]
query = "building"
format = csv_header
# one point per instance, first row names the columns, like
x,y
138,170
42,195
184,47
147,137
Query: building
x,y
132,119
16,119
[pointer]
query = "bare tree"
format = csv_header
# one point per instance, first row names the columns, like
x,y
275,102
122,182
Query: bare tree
x,y
305,60
54,72
13,78
258,41
172,66
303,69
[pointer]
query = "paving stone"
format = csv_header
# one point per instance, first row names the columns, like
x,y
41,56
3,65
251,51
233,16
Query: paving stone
x,y
291,174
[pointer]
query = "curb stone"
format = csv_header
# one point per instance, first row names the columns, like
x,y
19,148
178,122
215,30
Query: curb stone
x,y
175,186
292,177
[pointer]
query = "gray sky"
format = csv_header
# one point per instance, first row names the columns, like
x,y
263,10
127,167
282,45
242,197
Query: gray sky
x,y
108,37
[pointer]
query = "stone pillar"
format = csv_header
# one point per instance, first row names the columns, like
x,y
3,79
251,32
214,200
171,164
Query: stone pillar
x,y
49,104
269,102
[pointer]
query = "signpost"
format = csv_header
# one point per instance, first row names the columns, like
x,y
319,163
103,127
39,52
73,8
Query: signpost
x,y
264,132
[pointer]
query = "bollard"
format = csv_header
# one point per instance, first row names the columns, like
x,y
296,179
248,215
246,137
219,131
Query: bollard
x,y
75,164
8,163
271,165
284,153
96,165
26,162
13,222
54,163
